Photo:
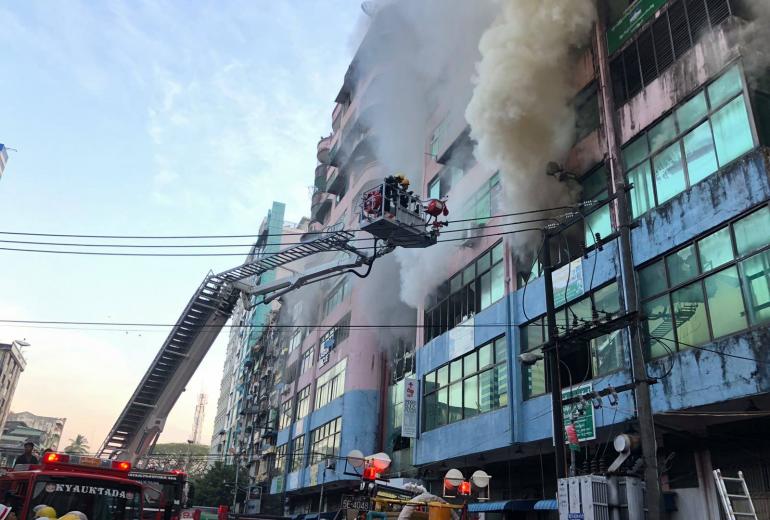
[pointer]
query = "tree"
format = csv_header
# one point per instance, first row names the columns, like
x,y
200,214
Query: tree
x,y
216,486
77,446
193,459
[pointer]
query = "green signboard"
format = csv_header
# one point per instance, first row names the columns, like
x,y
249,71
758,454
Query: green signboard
x,y
568,282
634,17
584,422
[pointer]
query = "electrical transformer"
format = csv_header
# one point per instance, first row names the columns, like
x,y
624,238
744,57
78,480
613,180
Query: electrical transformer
x,y
593,497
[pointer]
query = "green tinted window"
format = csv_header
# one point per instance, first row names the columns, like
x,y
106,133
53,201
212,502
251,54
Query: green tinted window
x,y
487,390
442,377
699,153
485,356
690,315
732,131
642,195
498,281
636,151
607,354
502,384
595,183
456,370
483,263
756,280
456,401
691,112
726,86
682,265
497,253
659,324
471,396
431,411
652,279
715,250
501,350
534,379
725,301
469,363
752,231
598,222
443,406
669,173
662,133
532,335
607,299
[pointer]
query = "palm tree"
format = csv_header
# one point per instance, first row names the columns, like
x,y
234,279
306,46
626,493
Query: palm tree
x,y
77,446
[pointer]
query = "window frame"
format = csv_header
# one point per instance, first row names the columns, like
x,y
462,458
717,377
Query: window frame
x,y
681,134
440,314
297,461
329,430
699,279
459,362
303,403
307,360
332,379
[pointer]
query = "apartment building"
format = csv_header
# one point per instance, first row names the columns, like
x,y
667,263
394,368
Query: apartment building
x,y
668,97
52,426
12,364
231,438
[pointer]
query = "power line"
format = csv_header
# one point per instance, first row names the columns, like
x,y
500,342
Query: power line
x,y
281,244
182,237
736,356
108,253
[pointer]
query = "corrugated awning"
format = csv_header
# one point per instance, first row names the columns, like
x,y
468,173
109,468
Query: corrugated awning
x,y
504,505
547,505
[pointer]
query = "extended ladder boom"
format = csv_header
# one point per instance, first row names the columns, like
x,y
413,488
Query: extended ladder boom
x,y
142,420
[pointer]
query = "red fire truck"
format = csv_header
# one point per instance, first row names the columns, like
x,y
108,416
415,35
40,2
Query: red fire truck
x,y
165,493
72,486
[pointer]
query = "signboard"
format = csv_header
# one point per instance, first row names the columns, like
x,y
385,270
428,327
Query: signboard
x,y
585,423
278,484
356,502
568,282
634,17
576,516
410,419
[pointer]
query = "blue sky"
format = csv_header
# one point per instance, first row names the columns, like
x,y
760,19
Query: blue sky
x,y
148,118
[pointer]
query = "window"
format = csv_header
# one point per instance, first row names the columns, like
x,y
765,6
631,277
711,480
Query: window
x,y
597,357
434,188
437,138
709,288
297,454
330,385
484,203
284,419
307,360
303,402
401,360
586,105
672,34
336,296
332,338
325,441
471,290
473,384
296,340
597,219
671,156
280,459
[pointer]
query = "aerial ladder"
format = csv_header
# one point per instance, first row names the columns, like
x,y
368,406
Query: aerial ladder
x,y
392,215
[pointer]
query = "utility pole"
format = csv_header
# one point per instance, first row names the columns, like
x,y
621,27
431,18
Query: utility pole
x,y
628,283
552,359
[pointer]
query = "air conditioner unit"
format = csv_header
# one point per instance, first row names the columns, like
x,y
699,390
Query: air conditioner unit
x,y
585,497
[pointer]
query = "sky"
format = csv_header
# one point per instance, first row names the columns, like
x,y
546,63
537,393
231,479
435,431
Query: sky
x,y
147,117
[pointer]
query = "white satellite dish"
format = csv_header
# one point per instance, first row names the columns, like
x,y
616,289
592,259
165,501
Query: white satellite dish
x,y
453,478
480,479
356,458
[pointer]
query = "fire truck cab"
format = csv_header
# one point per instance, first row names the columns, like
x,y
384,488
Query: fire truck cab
x,y
71,487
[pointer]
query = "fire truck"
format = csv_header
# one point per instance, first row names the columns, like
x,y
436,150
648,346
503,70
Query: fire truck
x,y
72,487
165,493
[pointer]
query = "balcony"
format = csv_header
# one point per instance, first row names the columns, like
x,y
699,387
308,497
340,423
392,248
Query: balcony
x,y
321,204
324,145
336,183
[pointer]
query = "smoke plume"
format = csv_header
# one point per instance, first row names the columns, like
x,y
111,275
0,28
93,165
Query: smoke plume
x,y
520,114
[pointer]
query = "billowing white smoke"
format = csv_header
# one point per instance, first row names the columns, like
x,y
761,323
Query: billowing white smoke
x,y
520,112
754,37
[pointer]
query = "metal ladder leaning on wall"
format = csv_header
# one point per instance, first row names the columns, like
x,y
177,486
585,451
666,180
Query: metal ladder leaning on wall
x,y
730,500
